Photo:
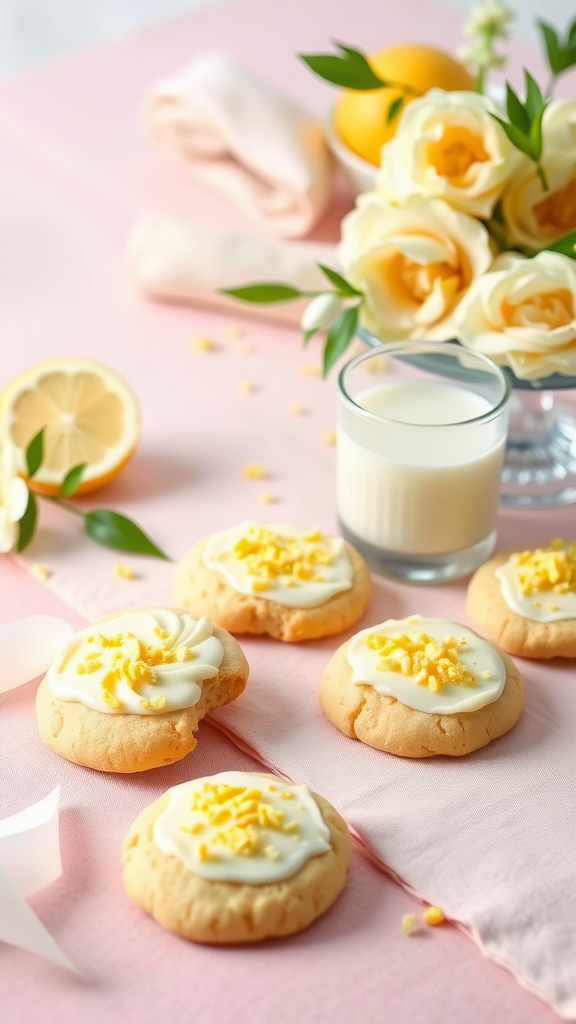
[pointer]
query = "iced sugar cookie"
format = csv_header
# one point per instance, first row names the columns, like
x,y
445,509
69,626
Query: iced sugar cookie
x,y
236,857
526,600
291,583
419,687
128,693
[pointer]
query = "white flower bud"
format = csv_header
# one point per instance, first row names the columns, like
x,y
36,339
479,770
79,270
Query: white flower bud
x,y
321,311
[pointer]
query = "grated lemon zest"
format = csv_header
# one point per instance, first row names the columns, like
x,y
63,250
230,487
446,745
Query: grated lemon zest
x,y
431,663
132,662
240,815
549,568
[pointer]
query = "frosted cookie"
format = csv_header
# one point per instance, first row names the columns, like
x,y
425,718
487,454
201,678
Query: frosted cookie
x,y
128,693
419,687
526,600
291,583
236,857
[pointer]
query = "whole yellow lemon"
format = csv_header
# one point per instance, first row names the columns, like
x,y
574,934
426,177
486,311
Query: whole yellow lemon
x,y
361,118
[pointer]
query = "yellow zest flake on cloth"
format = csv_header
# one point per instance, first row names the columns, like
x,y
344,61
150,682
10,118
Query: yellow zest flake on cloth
x,y
254,471
41,573
203,344
297,409
311,370
242,818
125,572
245,348
132,662
244,387
433,916
329,437
550,568
409,924
266,498
233,331
431,663
270,557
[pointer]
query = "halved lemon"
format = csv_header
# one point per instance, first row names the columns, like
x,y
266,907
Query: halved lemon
x,y
89,415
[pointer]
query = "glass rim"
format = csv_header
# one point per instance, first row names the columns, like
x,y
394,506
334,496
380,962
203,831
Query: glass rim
x,y
435,346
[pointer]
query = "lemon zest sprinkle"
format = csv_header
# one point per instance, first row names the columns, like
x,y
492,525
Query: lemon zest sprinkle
x,y
409,924
431,663
433,916
549,568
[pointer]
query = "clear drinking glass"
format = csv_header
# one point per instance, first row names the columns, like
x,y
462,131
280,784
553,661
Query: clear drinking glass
x,y
420,449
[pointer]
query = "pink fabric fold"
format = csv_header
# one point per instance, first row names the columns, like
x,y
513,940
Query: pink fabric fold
x,y
186,262
241,137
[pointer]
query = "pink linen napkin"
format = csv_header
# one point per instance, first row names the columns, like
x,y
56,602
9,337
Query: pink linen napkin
x,y
489,837
186,262
241,137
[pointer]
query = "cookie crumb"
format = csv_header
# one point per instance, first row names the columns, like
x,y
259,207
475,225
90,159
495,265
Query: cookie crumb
x,y
125,572
254,471
433,916
233,331
244,387
297,409
311,370
202,343
265,498
409,924
329,437
40,572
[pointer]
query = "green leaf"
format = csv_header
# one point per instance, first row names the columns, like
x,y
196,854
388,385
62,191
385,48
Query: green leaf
x,y
515,110
339,336
536,135
517,137
566,244
350,70
265,291
35,453
534,99
572,34
394,109
552,46
341,285
27,525
72,479
116,531
308,335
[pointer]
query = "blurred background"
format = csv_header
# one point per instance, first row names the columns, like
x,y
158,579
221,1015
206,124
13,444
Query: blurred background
x,y
33,32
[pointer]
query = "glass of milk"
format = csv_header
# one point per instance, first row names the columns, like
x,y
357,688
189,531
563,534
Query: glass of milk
x,y
419,457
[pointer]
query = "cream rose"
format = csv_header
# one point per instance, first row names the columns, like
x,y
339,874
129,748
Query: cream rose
x,y
522,313
532,216
413,262
448,145
13,500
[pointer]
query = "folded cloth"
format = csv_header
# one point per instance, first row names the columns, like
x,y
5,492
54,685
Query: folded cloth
x,y
189,262
244,139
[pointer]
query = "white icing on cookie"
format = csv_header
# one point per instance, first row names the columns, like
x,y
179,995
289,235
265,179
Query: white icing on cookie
x,y
241,827
283,563
541,603
475,661
141,663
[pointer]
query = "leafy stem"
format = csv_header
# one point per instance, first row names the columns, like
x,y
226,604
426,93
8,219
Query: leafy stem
x,y
542,176
58,501
106,527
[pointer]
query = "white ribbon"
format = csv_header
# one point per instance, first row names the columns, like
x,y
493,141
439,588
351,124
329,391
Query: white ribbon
x,y
29,840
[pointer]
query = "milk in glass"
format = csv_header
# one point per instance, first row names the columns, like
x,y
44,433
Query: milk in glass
x,y
419,476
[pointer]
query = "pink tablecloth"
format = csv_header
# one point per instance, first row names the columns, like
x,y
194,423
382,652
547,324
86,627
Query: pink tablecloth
x,y
72,186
